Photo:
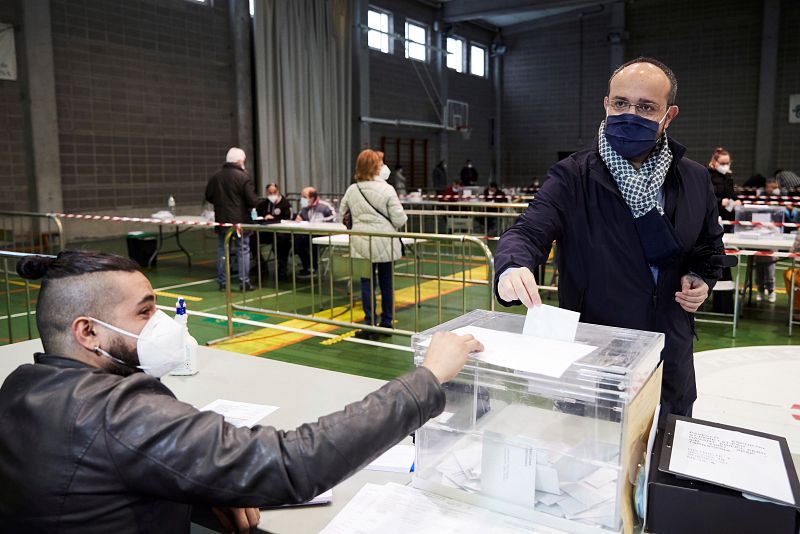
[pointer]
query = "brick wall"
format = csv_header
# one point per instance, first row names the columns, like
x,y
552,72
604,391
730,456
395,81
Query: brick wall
x,y
549,104
396,92
787,136
13,174
714,47
145,100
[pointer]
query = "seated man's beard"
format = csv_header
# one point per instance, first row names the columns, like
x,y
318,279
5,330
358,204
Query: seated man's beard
x,y
119,350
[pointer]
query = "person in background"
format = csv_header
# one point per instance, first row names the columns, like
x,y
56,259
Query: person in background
x,y
452,193
374,207
93,442
232,192
469,174
314,210
719,167
398,180
274,209
493,193
772,188
440,176
788,180
764,266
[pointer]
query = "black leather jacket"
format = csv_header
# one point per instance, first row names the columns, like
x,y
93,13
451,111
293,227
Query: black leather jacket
x,y
84,450
233,194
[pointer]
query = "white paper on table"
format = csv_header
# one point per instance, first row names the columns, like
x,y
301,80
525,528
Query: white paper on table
x,y
745,462
762,217
396,509
239,413
570,507
508,469
323,498
398,459
551,322
530,354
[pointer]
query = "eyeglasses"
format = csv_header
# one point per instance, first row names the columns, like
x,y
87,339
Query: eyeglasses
x,y
620,105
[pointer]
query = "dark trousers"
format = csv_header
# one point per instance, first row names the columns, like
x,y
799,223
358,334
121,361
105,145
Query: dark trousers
x,y
381,277
309,256
282,245
240,256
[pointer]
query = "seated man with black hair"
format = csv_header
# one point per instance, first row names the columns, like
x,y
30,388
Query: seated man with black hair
x,y
92,441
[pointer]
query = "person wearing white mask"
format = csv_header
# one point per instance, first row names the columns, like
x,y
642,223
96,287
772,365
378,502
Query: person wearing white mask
x,y
719,167
93,442
314,210
374,207
273,209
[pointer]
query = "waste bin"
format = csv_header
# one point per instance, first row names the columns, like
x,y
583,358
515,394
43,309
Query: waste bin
x,y
141,247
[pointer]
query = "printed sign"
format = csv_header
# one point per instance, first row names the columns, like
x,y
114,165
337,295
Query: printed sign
x,y
794,108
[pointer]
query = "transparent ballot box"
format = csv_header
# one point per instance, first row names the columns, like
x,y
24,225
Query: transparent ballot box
x,y
559,450
758,213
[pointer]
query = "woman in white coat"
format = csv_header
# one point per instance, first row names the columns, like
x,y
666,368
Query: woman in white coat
x,y
374,207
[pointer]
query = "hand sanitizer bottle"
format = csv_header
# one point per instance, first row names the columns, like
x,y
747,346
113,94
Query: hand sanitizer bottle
x,y
189,366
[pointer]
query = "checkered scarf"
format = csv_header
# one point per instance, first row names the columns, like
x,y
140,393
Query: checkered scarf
x,y
639,188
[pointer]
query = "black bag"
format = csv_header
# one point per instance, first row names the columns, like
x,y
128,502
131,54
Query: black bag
x,y
347,220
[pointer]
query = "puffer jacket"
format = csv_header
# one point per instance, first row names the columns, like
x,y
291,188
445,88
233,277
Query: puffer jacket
x,y
383,213
84,450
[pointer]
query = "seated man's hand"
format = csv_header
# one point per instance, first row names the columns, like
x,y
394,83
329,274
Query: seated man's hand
x,y
298,218
694,291
239,520
518,283
269,217
448,353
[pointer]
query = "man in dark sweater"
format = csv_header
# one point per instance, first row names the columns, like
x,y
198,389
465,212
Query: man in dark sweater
x,y
274,209
232,192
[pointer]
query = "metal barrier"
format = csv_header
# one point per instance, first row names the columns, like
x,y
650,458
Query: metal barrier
x,y
7,255
459,262
484,223
23,231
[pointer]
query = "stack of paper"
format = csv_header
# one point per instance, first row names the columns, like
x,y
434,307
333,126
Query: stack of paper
x,y
398,459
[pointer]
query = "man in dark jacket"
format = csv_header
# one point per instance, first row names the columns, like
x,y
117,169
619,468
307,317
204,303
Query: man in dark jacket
x,y
233,194
636,225
274,209
92,444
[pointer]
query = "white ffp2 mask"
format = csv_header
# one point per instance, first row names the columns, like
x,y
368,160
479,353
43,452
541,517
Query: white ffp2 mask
x,y
161,345
384,173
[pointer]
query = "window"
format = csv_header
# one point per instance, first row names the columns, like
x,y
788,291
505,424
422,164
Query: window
x,y
455,54
416,41
378,34
477,61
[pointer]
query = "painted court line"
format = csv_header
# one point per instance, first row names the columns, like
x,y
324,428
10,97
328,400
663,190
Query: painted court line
x,y
187,284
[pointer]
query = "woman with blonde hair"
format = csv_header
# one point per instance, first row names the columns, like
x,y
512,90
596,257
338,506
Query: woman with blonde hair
x,y
374,207
719,167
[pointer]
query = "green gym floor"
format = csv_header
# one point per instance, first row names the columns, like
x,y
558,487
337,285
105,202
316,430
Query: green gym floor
x,y
762,323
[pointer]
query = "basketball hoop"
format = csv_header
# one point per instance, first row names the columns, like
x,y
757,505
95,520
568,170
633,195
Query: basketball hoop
x,y
466,131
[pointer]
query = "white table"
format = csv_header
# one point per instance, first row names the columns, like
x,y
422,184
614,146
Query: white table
x,y
752,387
305,225
749,243
238,377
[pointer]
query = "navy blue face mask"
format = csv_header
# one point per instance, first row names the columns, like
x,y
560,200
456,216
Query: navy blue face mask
x,y
631,135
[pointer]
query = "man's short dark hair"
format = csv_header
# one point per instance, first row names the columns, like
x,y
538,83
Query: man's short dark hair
x,y
63,296
673,81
